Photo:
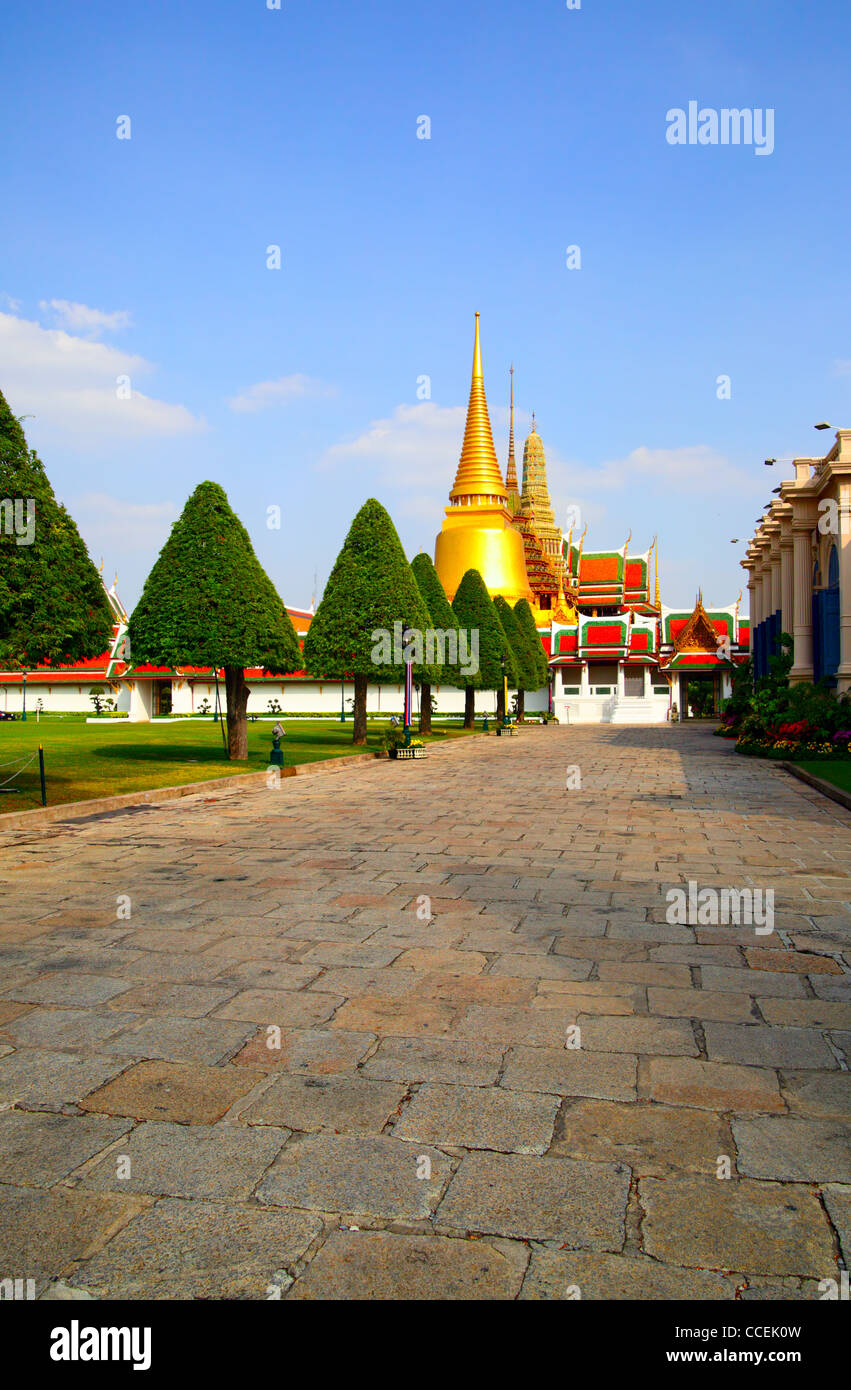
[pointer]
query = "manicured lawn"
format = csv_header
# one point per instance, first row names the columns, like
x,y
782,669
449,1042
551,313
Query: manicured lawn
x,y
105,759
839,772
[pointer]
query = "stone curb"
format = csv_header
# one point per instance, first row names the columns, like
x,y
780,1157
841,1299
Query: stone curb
x,y
826,788
73,810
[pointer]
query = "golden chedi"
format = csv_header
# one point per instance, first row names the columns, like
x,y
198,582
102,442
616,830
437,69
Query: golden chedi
x,y
478,532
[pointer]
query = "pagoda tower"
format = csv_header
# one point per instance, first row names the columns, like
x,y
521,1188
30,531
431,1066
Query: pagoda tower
x,y
535,520
511,470
477,531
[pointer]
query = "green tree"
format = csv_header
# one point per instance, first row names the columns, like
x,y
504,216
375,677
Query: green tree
x,y
477,613
52,603
529,632
526,675
370,590
209,602
443,619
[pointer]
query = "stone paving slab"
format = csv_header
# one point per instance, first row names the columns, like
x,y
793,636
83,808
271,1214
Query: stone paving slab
x,y
367,1265
280,1045
185,1250
538,1199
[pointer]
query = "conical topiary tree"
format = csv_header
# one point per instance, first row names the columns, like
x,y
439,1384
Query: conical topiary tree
x,y
526,625
209,602
525,673
443,619
370,590
52,603
476,612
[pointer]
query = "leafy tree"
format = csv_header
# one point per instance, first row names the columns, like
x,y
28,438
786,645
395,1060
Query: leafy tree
x,y
52,603
526,624
370,589
524,662
477,613
443,619
209,602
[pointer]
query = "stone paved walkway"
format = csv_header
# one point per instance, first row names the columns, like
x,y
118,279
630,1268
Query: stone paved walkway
x,y
325,1054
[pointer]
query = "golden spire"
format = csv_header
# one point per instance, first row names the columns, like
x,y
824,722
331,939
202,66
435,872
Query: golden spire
x,y
478,476
657,603
511,470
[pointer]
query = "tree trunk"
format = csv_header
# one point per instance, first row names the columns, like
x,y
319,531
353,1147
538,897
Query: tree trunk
x,y
425,708
359,717
521,705
237,694
469,707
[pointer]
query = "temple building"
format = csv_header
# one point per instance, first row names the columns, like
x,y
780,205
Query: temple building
x,y
799,570
616,653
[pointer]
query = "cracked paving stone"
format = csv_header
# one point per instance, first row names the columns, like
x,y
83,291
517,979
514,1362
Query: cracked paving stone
x,y
436,1059
283,1008
571,1072
402,1017
816,1095
341,1104
172,1160
180,1249
38,1149
478,1117
71,1029
667,1037
185,1092
35,1078
838,1203
790,1148
180,1039
651,1139
74,989
374,1265
41,1233
546,1198
315,1050
373,1177
759,1046
738,1224
561,1273
710,1085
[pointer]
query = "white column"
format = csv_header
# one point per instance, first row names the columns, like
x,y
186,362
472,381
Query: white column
x,y
802,605
786,585
843,673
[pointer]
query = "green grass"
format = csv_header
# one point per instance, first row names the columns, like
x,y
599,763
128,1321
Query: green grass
x,y
83,761
838,772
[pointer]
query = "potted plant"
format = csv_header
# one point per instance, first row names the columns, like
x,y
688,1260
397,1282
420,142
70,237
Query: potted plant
x,y
393,741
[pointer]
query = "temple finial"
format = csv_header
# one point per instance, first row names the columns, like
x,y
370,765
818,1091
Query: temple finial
x,y
511,467
478,472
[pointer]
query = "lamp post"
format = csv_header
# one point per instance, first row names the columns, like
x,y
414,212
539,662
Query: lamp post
x,y
409,684
504,691
24,689
343,699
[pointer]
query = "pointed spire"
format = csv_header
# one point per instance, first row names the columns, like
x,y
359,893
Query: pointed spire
x,y
511,470
478,472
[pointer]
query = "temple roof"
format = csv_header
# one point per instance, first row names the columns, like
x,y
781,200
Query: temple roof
x,y
478,472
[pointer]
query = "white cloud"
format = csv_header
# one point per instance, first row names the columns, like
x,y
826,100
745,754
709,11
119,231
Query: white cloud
x,y
286,388
7,302
79,318
842,366
418,445
70,385
112,526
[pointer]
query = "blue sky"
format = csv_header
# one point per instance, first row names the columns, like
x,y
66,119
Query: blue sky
x,y
297,387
